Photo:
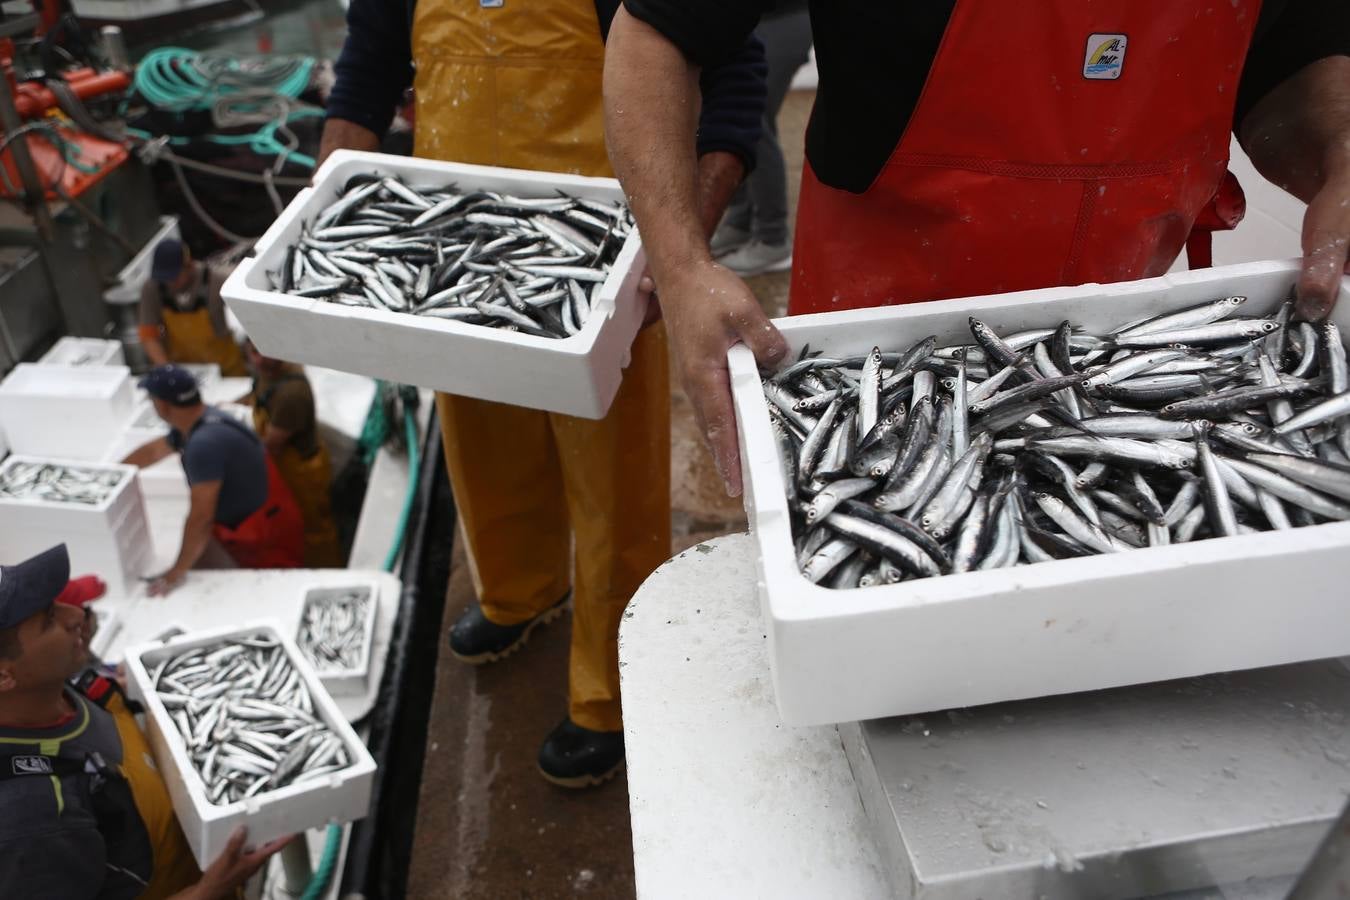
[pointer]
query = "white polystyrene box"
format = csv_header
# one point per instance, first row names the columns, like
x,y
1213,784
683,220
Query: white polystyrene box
x,y
578,375
110,539
78,351
70,412
341,681
1053,628
338,797
136,273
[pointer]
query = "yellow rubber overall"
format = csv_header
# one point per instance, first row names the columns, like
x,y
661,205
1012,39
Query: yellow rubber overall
x,y
519,86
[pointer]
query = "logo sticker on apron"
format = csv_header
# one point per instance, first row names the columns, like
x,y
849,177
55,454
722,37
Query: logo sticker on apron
x,y
490,4
1105,56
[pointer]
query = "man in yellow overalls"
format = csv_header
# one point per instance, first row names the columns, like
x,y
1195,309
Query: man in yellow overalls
x,y
284,417
182,316
509,83
86,812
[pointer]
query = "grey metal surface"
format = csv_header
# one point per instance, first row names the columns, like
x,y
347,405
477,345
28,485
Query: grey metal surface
x,y
1230,779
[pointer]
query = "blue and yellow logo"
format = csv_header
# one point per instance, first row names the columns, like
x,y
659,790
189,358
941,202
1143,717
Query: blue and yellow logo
x,y
1105,56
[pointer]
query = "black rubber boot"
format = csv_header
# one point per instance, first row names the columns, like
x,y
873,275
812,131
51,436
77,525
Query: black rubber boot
x,y
576,757
476,640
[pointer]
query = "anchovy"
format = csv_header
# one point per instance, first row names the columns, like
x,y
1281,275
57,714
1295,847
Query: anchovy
x,y
245,717
1052,442
441,253
58,483
335,628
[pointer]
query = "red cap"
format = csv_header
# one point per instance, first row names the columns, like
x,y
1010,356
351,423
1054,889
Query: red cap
x,y
82,590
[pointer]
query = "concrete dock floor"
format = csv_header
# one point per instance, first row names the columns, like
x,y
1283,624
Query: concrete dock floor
x,y
488,826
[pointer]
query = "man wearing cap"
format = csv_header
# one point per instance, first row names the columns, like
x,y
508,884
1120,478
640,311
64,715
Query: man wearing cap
x,y
237,495
86,813
183,315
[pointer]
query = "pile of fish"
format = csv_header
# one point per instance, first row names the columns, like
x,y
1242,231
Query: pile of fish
x,y
333,628
528,264
1054,443
246,717
58,483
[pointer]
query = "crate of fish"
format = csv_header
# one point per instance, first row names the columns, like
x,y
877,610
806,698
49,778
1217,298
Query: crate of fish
x,y
245,734
337,629
1013,496
96,509
65,411
501,284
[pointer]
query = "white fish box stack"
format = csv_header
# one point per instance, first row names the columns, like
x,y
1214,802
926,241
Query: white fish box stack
x,y
66,412
314,802
110,538
1055,627
337,628
578,375
78,351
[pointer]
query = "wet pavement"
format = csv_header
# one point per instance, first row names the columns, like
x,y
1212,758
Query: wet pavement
x,y
489,826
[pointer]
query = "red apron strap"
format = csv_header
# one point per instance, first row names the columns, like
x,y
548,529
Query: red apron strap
x,y
1054,143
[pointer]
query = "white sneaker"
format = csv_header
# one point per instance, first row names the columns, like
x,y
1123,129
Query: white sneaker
x,y
757,257
726,239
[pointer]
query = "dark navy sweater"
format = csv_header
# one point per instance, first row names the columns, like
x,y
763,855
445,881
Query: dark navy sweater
x,y
375,68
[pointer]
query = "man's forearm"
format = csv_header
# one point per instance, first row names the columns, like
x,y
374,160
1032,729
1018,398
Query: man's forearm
x,y
154,350
339,134
1298,135
719,174
651,114
196,535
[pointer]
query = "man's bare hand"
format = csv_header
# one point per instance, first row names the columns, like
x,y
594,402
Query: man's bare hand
x,y
1326,241
232,868
713,310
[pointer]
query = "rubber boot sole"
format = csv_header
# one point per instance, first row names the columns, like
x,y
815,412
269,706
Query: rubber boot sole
x,y
580,782
482,659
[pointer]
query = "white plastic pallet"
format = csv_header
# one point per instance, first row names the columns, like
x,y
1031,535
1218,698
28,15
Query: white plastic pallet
x,y
338,797
111,540
578,375
1038,630
69,412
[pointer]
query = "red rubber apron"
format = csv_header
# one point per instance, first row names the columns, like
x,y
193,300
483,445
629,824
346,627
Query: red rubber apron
x,y
1056,142
273,535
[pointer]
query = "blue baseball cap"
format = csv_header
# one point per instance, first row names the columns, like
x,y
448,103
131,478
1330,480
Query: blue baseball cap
x,y
168,260
33,585
172,384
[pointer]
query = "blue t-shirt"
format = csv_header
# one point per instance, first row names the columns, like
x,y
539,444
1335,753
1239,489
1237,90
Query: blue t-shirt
x,y
219,448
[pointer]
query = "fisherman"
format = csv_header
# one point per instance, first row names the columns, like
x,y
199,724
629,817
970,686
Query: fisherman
x,y
967,148
86,812
285,419
238,499
182,314
518,85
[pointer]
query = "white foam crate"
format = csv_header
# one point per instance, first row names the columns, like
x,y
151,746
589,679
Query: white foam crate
x,y
1053,628
71,412
578,375
338,797
136,273
340,681
111,539
78,351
